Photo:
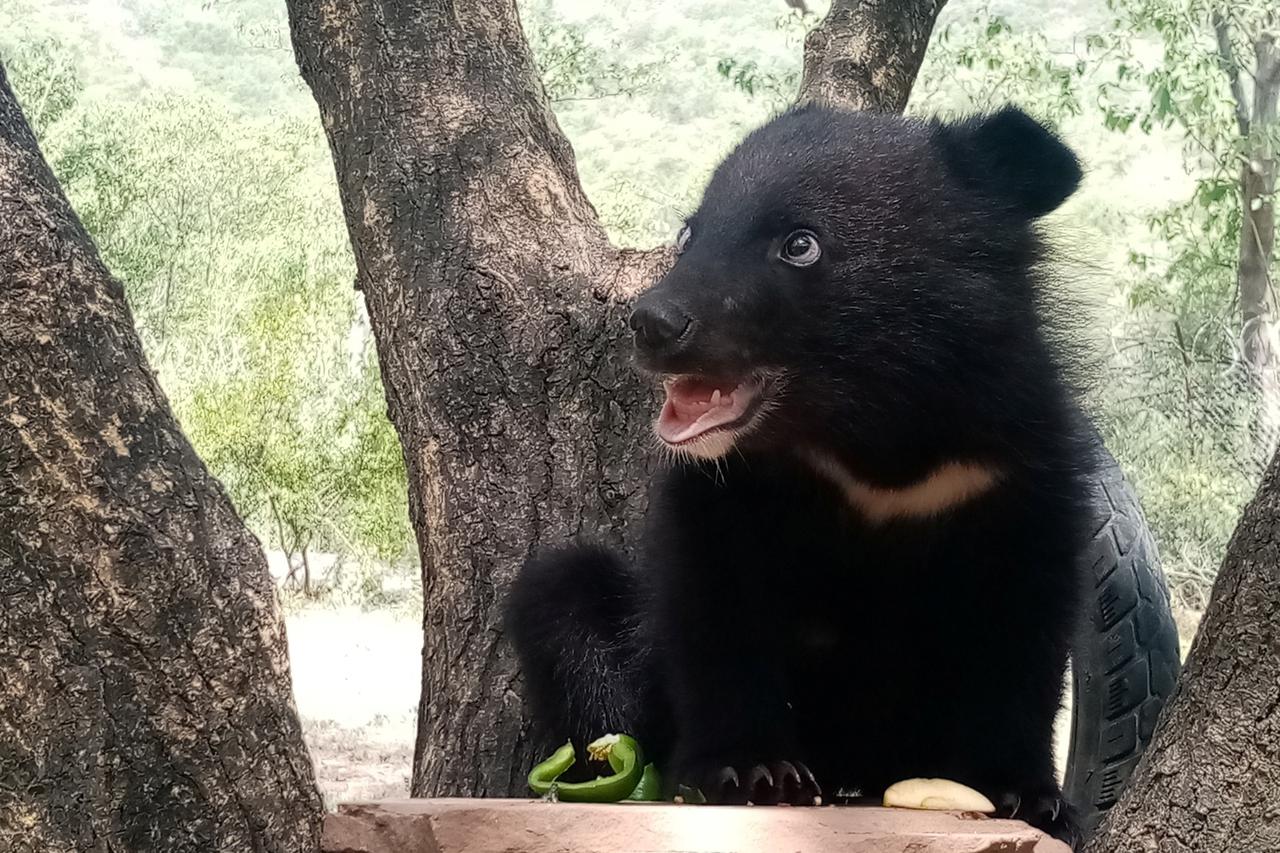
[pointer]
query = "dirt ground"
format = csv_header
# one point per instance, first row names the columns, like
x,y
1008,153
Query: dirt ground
x,y
355,676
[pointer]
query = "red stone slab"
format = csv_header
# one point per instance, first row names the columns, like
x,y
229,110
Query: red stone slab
x,y
534,826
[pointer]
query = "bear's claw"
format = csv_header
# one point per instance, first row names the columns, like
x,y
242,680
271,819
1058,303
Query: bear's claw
x,y
765,784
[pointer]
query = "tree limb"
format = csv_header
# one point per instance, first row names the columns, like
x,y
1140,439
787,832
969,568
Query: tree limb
x,y
1230,67
866,53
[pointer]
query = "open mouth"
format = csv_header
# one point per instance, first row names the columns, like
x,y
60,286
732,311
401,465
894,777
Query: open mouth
x,y
698,407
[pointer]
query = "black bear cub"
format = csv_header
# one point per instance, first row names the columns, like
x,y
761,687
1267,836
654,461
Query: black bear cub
x,y
862,565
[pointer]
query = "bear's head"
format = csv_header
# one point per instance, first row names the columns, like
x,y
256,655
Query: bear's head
x,y
864,285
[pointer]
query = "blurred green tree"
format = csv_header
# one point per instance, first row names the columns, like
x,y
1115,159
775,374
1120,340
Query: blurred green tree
x,y
1192,390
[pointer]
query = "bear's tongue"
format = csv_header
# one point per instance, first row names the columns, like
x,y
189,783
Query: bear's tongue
x,y
695,405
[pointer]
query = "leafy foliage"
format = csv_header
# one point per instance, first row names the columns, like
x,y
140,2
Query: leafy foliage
x,y
777,86
1184,410
575,69
983,60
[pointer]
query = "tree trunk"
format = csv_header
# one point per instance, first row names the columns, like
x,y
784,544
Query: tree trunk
x,y
1255,119
145,702
1210,780
866,53
1258,235
499,307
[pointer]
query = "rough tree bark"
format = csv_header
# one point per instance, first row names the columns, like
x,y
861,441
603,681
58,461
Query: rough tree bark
x,y
1210,780
1255,120
866,53
499,306
145,701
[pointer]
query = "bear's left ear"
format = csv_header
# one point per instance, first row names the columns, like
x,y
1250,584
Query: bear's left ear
x,y
1012,157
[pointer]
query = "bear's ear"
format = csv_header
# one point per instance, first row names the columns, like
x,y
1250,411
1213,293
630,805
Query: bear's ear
x,y
1010,156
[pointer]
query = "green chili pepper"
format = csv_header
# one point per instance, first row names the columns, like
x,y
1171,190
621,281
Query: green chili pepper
x,y
543,775
650,787
624,757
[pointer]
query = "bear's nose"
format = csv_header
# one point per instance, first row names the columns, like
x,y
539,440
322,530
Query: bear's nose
x,y
657,325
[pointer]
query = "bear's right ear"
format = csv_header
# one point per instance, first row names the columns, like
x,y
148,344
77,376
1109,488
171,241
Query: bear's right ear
x,y
1011,157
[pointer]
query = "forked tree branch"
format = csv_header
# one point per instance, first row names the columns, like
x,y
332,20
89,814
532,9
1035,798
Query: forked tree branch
x,y
499,307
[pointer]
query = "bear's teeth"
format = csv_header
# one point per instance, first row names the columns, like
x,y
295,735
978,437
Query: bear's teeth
x,y
715,397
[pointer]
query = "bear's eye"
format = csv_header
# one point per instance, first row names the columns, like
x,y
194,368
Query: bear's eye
x,y
801,248
682,239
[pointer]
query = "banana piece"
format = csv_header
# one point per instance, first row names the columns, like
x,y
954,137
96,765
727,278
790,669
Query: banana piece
x,y
939,794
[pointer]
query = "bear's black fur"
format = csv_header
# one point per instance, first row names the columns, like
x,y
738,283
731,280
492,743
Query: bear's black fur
x,y
865,569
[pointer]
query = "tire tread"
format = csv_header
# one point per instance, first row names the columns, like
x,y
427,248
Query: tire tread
x,y
1125,659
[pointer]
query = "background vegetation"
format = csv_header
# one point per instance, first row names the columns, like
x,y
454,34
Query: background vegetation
x,y
195,157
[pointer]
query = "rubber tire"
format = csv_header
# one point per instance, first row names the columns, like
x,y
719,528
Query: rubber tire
x,y
1125,659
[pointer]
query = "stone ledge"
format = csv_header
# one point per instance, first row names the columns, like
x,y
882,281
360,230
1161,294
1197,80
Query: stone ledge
x,y
534,826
